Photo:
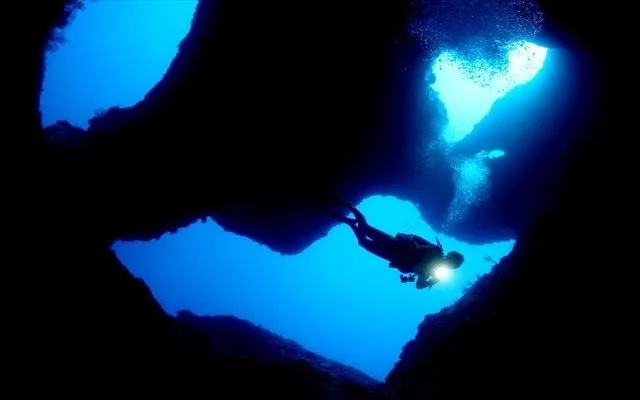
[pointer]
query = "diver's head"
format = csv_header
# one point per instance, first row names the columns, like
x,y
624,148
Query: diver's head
x,y
454,260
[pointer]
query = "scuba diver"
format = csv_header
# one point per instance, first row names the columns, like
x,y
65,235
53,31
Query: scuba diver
x,y
412,255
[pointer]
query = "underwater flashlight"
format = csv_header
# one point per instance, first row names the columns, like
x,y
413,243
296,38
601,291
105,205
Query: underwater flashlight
x,y
441,271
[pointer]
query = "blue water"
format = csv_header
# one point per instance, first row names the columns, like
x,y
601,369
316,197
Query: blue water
x,y
114,53
334,298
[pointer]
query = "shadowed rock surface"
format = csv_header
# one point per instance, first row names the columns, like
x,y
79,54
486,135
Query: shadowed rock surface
x,y
535,325
285,367
256,120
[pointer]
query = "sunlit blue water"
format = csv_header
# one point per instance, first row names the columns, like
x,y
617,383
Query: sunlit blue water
x,y
115,52
334,298
468,88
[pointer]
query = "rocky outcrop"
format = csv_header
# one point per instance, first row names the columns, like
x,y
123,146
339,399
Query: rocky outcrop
x,y
346,113
98,329
546,321
279,111
277,365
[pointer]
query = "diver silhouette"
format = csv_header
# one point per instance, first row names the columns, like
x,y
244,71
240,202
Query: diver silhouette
x,y
415,257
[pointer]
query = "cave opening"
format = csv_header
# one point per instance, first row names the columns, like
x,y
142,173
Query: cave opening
x,y
333,298
112,54
468,89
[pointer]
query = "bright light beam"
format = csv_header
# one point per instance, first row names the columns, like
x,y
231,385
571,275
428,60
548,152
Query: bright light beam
x,y
468,88
442,272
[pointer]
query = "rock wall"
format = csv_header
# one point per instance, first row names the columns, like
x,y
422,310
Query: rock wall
x,y
264,112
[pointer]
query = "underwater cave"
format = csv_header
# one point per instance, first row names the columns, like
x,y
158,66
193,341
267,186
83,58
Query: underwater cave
x,y
333,298
479,111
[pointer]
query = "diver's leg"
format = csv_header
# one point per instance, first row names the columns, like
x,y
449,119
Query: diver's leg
x,y
371,232
377,235
353,224
376,248
378,243
367,230
359,216
358,224
371,239
368,237
357,231
339,217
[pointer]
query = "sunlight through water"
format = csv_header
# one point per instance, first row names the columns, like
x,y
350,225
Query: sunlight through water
x,y
468,88
334,298
471,178
114,52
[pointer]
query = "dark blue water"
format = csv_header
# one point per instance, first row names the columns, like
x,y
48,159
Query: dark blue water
x,y
334,298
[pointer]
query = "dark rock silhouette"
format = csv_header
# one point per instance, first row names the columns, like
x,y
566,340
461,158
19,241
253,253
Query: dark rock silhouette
x,y
541,324
285,367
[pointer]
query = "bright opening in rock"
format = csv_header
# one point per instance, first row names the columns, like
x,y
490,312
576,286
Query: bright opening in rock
x,y
334,298
115,51
468,88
